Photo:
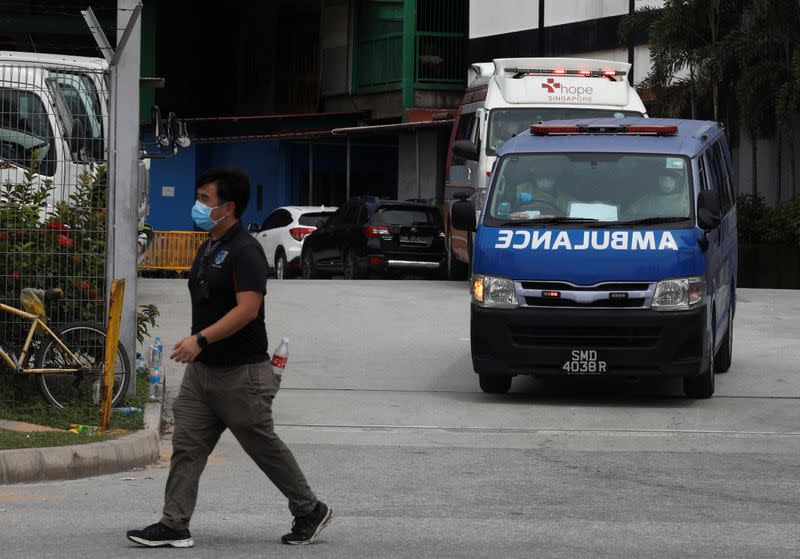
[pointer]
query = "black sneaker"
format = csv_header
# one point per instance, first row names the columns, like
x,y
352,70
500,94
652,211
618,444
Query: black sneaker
x,y
158,535
306,529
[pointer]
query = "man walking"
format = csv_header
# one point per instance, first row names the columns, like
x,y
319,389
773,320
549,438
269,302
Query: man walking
x,y
229,381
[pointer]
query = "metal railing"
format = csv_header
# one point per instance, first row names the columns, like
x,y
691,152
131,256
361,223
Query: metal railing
x,y
441,58
379,44
441,44
439,39
380,61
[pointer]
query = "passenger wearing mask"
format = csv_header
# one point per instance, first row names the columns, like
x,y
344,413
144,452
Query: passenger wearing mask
x,y
670,198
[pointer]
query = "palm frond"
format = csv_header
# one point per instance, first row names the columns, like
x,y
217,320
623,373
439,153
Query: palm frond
x,y
638,21
787,101
755,92
796,65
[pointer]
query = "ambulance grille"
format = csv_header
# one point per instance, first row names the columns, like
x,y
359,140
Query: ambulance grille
x,y
577,337
634,303
565,286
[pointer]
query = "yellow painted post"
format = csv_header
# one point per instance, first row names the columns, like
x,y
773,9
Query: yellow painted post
x,y
112,340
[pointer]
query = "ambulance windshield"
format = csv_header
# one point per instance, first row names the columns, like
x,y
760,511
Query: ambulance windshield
x,y
590,187
506,123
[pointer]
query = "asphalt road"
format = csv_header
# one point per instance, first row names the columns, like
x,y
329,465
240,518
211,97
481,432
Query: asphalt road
x,y
380,405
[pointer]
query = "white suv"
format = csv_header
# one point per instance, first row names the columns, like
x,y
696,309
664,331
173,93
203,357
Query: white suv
x,y
282,233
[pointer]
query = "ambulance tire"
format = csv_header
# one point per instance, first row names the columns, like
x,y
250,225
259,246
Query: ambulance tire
x,y
495,384
702,385
456,270
724,358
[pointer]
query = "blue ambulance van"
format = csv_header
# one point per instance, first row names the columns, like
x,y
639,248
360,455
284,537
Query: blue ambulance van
x,y
606,247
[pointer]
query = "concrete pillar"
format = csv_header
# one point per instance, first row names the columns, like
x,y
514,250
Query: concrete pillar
x,y
125,167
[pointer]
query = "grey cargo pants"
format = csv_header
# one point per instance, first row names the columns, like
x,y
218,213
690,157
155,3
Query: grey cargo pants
x,y
238,398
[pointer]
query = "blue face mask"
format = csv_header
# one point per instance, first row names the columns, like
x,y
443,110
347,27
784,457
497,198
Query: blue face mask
x,y
201,214
524,196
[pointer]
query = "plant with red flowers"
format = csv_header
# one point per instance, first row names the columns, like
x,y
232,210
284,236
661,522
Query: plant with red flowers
x,y
61,245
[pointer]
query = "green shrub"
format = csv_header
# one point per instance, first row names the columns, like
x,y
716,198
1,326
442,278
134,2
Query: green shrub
x,y
782,223
759,223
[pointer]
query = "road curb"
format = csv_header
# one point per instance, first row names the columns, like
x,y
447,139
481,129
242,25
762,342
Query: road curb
x,y
85,460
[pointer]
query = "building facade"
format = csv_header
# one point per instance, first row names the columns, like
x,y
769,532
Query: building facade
x,y
556,28
318,100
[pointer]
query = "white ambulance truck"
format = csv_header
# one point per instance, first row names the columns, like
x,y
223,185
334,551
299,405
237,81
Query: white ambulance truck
x,y
505,97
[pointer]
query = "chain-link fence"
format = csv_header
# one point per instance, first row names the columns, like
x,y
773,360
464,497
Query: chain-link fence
x,y
53,180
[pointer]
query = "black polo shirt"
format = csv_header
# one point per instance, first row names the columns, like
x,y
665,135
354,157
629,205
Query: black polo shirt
x,y
233,263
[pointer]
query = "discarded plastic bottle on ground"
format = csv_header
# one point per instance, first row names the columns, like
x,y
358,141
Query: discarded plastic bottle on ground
x,y
280,357
154,390
127,411
155,353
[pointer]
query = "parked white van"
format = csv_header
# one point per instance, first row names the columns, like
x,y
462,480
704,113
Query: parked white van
x,y
505,97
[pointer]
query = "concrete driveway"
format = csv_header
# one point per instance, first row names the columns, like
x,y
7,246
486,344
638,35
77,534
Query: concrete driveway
x,y
383,411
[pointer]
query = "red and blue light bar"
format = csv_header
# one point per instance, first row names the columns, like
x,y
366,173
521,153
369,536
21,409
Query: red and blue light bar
x,y
640,129
583,72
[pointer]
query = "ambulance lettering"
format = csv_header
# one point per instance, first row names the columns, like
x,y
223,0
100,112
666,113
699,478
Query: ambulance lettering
x,y
562,241
597,245
526,238
541,238
643,241
521,239
504,238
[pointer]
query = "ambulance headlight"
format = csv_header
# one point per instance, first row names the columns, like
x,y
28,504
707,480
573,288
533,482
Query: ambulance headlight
x,y
494,292
679,294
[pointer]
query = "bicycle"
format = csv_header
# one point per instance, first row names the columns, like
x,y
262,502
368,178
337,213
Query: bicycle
x,y
70,360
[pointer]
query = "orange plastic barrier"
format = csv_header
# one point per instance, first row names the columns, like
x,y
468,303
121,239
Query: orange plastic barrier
x,y
172,250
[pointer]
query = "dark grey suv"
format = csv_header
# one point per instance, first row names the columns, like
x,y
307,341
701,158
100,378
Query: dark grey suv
x,y
370,235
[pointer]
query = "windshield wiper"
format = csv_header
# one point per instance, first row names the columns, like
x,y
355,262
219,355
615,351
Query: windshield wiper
x,y
650,221
549,220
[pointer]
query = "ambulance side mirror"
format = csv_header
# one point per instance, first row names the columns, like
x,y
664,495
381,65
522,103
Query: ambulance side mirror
x,y
709,210
462,215
465,149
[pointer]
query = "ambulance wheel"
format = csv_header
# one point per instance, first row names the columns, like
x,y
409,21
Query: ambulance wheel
x,y
702,385
724,358
456,270
494,384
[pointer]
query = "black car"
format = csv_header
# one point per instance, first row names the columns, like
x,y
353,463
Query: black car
x,y
370,235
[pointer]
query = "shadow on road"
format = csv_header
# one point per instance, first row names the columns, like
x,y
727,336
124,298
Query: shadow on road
x,y
603,392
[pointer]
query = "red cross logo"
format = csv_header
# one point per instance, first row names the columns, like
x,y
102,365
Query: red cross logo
x,y
551,85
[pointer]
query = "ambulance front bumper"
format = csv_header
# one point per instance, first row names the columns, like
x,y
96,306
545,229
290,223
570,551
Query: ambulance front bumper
x,y
527,341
